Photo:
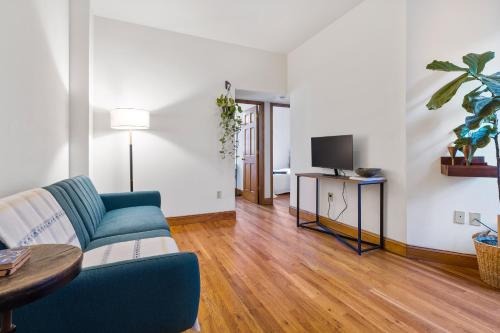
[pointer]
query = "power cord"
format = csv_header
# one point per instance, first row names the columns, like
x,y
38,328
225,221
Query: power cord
x,y
345,205
329,203
477,220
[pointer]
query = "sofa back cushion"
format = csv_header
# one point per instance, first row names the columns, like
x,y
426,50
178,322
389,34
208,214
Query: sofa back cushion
x,y
87,203
69,208
34,217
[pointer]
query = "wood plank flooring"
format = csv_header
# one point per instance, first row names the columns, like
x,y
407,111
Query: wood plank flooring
x,y
262,274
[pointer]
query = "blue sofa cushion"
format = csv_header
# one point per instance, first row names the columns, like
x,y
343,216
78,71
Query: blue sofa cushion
x,y
114,201
71,212
127,237
131,220
86,200
147,295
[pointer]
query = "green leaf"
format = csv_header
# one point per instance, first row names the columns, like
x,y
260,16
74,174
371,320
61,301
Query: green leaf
x,y
461,131
445,66
490,108
481,137
469,99
477,105
462,142
473,122
443,95
476,62
492,82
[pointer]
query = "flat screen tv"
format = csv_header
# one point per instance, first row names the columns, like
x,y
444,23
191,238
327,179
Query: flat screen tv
x,y
332,152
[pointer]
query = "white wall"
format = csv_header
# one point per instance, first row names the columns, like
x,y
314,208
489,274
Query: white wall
x,y
437,32
281,137
80,122
33,93
177,77
349,79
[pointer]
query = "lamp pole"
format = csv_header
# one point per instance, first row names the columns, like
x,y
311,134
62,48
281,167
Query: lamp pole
x,y
130,119
131,161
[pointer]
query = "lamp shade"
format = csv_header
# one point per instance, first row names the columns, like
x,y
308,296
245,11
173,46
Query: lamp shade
x,y
129,119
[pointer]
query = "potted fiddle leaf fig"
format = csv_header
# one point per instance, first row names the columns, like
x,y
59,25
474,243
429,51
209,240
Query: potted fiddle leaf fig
x,y
482,103
480,127
230,124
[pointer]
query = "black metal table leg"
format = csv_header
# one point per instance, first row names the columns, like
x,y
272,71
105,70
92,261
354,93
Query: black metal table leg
x,y
298,201
359,219
382,215
317,199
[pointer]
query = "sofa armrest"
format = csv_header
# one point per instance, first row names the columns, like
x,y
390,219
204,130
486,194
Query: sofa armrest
x,y
114,201
155,294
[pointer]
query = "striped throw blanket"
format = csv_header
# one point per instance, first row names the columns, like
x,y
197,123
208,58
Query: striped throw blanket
x,y
34,217
128,250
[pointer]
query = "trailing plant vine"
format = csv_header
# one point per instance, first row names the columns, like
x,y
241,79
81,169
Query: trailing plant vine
x,y
482,103
230,123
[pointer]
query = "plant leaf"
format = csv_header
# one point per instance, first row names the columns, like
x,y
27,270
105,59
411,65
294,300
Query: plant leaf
x,y
461,131
473,122
477,105
476,62
490,108
468,102
481,137
445,66
443,95
492,82
462,142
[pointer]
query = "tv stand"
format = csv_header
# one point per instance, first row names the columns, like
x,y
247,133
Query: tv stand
x,y
316,225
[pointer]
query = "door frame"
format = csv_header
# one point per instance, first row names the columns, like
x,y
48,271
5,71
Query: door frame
x,y
260,147
271,113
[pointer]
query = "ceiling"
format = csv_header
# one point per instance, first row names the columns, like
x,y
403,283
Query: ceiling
x,y
273,25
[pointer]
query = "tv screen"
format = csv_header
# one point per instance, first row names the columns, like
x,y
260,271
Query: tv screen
x,y
332,152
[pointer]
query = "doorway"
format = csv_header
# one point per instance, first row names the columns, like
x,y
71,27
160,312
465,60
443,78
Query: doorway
x,y
280,149
254,171
249,166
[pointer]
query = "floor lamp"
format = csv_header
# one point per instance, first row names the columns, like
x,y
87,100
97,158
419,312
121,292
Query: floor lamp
x,y
130,119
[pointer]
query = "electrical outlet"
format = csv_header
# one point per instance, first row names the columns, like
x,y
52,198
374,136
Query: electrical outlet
x,y
330,196
459,217
473,217
219,194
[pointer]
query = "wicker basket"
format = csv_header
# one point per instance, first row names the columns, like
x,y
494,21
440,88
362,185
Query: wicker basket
x,y
488,259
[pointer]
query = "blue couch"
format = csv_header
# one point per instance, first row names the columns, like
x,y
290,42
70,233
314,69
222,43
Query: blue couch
x,y
155,294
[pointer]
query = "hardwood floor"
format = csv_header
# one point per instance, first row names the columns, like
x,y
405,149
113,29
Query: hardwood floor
x,y
262,274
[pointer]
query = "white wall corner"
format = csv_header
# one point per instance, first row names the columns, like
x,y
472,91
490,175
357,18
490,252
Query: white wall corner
x,y
80,80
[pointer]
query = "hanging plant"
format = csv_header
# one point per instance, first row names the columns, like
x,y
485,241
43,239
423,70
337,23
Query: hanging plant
x,y
230,123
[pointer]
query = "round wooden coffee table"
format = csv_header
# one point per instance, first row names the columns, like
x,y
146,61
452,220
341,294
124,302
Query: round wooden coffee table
x,y
50,267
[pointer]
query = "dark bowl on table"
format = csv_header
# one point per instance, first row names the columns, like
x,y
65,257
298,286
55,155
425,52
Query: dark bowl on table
x,y
367,172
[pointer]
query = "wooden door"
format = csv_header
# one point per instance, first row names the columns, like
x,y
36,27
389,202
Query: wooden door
x,y
250,157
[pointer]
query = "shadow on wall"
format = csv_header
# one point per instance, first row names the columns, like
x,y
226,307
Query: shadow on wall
x,y
34,90
181,138
172,125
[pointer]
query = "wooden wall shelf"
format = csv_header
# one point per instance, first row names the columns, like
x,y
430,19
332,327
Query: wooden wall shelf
x,y
478,168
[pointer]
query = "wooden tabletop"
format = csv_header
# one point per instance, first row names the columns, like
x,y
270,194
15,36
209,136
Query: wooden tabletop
x,y
49,268
376,180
